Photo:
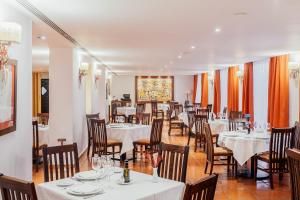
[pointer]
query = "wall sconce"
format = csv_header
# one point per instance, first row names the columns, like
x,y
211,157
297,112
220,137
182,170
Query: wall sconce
x,y
98,75
10,33
240,75
83,71
211,77
294,71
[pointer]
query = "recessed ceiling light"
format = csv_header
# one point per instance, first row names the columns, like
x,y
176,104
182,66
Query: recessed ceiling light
x,y
193,47
217,30
41,37
242,13
179,57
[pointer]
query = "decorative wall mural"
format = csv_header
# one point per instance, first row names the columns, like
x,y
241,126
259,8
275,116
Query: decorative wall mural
x,y
148,88
8,91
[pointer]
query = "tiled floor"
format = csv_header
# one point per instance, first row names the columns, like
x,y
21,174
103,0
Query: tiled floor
x,y
228,187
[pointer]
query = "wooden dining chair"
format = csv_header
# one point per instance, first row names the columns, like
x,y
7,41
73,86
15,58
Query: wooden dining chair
x,y
173,163
102,145
281,139
155,113
209,107
36,147
293,156
296,139
151,144
174,122
235,115
140,108
233,124
203,189
199,131
191,122
60,162
43,118
225,111
143,118
114,106
213,152
203,111
16,189
90,131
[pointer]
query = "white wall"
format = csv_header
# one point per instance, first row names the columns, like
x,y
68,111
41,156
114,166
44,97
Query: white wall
x,y
199,90
16,152
224,87
293,101
125,84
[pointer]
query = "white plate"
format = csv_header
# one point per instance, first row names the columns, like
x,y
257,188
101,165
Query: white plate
x,y
64,183
85,190
90,175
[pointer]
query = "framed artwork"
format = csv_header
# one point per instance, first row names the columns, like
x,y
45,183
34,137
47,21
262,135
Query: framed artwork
x,y
8,96
149,88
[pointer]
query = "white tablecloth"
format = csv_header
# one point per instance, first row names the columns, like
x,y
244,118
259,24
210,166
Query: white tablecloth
x,y
244,145
217,126
126,111
43,134
163,106
142,187
128,134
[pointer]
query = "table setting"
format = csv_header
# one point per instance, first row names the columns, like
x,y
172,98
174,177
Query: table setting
x,y
106,181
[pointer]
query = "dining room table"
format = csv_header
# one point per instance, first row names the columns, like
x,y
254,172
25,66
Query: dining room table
x,y
217,125
244,146
126,110
127,133
111,186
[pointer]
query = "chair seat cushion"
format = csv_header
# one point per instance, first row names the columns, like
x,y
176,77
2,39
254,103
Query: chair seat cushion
x,y
220,151
112,142
176,121
142,142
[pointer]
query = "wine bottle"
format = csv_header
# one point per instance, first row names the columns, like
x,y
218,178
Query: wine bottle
x,y
126,173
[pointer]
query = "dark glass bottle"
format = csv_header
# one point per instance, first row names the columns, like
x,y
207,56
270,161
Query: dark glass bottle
x,y
126,173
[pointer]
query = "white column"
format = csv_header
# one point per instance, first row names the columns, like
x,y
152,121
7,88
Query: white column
x,y
224,87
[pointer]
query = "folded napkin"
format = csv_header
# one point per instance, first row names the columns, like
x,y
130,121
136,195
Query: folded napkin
x,y
84,189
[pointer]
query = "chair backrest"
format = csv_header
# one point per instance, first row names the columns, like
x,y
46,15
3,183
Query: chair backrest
x,y
178,108
233,124
296,140
172,105
35,142
225,110
16,189
114,106
140,108
235,115
209,107
203,189
64,160
199,122
209,142
281,139
89,125
153,106
143,118
156,133
203,111
294,168
43,118
191,119
174,161
99,136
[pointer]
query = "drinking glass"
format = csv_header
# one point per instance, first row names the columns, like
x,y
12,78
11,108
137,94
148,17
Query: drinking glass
x,y
95,163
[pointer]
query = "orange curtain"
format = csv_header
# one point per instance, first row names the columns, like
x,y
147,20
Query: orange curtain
x,y
278,102
195,88
247,102
233,90
204,89
217,93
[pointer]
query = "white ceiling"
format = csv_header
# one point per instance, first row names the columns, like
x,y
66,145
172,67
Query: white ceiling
x,y
142,36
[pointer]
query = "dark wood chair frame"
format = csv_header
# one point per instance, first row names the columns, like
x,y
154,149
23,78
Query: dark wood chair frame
x,y
199,131
293,156
191,122
90,131
36,147
174,161
64,160
16,189
155,112
281,139
203,189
